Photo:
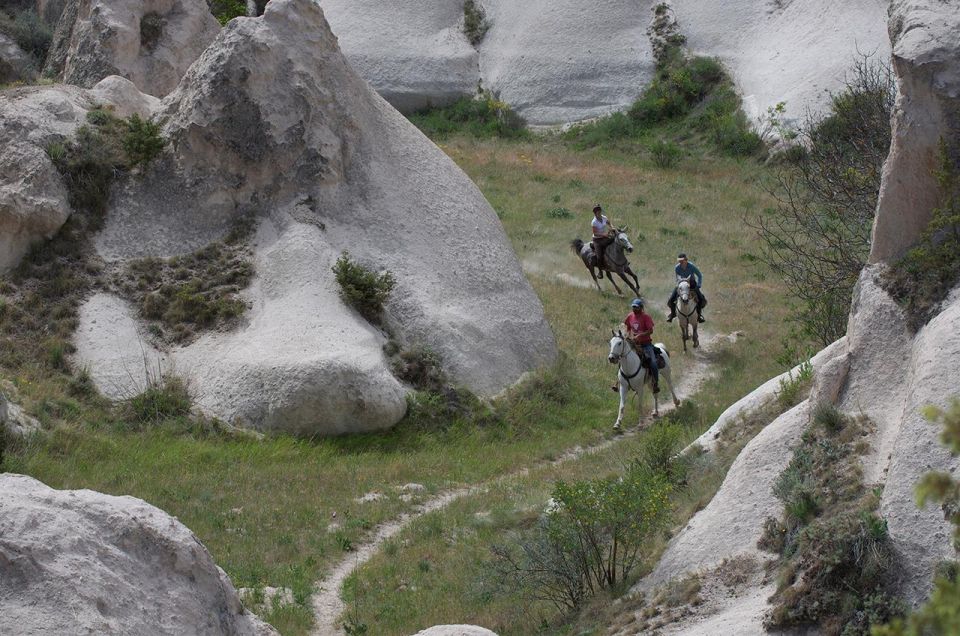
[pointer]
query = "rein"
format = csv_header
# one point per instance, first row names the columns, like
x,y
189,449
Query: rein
x,y
623,343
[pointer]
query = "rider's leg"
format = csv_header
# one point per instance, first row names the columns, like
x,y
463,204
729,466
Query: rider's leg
x,y
701,303
654,370
672,304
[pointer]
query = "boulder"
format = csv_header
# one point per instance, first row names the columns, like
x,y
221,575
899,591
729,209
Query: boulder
x,y
14,422
455,630
272,119
33,199
78,561
124,97
16,65
557,61
926,47
150,42
414,54
785,51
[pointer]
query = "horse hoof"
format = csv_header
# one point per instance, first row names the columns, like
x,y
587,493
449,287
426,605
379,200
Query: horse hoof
x,y
676,403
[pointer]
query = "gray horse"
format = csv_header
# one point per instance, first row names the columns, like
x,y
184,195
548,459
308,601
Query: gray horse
x,y
615,261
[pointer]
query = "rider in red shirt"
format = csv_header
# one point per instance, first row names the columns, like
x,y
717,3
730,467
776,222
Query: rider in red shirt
x,y
640,330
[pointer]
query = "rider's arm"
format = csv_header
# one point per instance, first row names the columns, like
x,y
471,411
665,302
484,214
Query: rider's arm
x,y
696,272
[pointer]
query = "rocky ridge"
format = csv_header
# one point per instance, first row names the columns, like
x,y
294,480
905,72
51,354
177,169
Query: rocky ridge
x,y
880,370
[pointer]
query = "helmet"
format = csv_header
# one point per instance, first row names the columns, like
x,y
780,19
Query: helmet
x,y
636,303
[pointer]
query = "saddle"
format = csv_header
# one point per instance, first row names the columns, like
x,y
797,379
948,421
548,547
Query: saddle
x,y
661,363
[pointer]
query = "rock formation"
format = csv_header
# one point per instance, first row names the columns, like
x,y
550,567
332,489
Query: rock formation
x,y
558,62
455,630
78,561
272,120
150,42
926,44
15,64
33,199
785,51
879,370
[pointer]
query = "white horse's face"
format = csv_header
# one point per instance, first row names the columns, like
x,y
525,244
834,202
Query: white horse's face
x,y
624,242
617,349
683,290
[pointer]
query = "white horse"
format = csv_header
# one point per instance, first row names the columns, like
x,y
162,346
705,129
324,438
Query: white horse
x,y
686,312
633,375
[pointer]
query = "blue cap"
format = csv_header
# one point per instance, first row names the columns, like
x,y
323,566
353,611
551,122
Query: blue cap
x,y
636,303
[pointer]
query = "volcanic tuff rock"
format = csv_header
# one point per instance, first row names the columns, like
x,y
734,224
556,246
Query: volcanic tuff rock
x,y
33,198
880,370
78,561
272,120
15,64
455,630
561,61
782,51
926,47
150,42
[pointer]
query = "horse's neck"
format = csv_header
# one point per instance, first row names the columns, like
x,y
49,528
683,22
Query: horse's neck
x,y
614,254
630,361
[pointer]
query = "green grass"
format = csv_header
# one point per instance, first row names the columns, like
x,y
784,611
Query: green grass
x,y
280,511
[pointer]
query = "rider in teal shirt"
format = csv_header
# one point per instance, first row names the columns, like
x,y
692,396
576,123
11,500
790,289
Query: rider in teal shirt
x,y
685,269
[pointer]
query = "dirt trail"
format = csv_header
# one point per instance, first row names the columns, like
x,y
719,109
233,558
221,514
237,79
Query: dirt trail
x,y
326,602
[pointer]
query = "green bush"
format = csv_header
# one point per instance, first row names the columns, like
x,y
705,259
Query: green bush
x,y
483,117
665,154
142,141
921,280
363,289
590,538
226,10
560,213
163,399
29,32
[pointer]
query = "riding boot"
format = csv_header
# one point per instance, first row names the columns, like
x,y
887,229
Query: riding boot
x,y
673,312
700,317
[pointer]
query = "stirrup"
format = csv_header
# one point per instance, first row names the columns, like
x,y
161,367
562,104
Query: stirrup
x,y
701,319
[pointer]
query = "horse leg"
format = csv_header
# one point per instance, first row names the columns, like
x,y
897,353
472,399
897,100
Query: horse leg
x,y
594,276
636,281
696,337
683,333
614,283
635,290
640,398
624,391
666,373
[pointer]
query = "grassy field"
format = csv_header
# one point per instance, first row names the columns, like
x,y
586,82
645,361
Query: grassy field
x,y
280,512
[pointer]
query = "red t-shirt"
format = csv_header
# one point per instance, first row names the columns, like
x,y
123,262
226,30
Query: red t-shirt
x,y
637,323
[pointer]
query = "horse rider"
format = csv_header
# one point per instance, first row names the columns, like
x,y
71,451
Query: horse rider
x,y
640,334
686,269
603,235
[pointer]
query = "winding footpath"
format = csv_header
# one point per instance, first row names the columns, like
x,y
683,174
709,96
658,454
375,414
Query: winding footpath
x,y
326,602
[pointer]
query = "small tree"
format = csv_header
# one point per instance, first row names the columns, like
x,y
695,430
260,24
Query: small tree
x,y
818,236
589,539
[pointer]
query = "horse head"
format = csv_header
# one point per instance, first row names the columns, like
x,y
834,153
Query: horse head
x,y
618,347
683,289
624,241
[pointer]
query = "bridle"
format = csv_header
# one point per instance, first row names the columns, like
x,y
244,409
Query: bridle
x,y
618,358
685,315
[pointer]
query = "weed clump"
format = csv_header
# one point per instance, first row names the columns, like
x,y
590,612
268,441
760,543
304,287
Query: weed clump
x,y
475,24
836,556
482,117
921,280
166,398
196,291
665,154
361,288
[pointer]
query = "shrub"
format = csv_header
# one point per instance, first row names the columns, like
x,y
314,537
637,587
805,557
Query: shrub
x,y
151,30
226,10
665,154
483,117
363,289
142,141
590,538
163,399
925,275
419,367
29,32
818,237
475,24
559,213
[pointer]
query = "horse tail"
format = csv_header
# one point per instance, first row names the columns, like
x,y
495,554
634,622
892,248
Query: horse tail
x,y
576,245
